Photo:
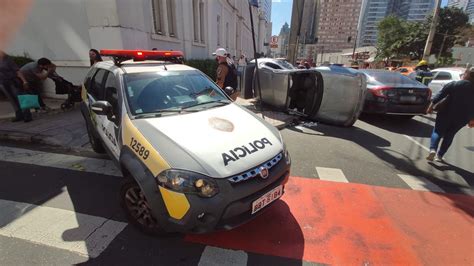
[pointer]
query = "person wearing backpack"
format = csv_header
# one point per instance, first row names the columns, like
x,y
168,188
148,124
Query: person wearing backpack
x,y
226,72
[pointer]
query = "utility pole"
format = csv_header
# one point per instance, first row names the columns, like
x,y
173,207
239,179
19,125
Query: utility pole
x,y
442,45
429,41
296,16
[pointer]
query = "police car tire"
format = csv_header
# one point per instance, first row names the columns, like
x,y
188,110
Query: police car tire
x,y
128,184
95,142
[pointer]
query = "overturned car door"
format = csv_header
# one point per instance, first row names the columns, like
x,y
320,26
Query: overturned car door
x,y
333,95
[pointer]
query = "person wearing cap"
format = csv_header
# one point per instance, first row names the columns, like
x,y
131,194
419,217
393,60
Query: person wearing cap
x,y
422,73
458,111
225,76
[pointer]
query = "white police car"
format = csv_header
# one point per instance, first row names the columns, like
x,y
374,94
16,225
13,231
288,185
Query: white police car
x,y
194,161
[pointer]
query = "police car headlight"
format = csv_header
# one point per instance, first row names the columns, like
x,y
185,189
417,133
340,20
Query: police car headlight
x,y
188,182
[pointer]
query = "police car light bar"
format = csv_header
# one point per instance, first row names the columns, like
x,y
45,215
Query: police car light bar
x,y
141,55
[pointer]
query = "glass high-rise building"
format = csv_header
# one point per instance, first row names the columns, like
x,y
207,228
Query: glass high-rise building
x,y
373,11
466,5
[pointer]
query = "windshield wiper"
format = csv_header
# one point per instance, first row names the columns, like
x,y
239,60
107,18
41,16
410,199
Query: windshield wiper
x,y
218,103
159,113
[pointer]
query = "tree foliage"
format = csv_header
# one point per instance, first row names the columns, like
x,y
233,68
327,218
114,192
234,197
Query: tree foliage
x,y
451,21
398,38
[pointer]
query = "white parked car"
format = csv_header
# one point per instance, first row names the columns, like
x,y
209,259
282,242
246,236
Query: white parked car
x,y
443,76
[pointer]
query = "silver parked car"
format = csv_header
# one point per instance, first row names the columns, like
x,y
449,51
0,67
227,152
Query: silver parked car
x,y
330,94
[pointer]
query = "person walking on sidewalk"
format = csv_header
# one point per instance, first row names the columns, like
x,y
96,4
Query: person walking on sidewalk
x,y
226,72
457,111
9,85
35,73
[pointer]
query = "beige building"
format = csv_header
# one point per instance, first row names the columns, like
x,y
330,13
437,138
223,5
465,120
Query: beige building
x,y
337,24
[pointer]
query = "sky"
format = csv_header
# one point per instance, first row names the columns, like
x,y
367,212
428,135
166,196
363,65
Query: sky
x,y
281,13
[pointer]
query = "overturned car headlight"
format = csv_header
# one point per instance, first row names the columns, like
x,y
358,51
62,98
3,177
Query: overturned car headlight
x,y
188,182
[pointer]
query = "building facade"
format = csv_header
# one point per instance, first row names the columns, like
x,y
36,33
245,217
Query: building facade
x,y
373,11
462,4
64,31
336,24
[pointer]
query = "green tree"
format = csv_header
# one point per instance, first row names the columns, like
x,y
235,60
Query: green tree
x,y
452,21
398,38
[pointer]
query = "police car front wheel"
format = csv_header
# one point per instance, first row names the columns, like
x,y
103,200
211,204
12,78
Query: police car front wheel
x,y
137,209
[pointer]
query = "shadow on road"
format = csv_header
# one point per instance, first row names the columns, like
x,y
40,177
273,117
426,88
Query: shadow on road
x,y
410,127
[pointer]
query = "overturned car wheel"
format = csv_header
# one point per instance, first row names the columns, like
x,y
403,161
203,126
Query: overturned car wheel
x,y
137,210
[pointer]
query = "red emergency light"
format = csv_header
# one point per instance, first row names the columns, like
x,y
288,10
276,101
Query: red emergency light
x,y
141,55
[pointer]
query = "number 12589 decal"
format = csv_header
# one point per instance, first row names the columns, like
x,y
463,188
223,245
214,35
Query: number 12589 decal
x,y
139,149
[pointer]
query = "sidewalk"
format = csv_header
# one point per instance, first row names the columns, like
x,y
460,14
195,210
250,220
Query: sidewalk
x,y
67,129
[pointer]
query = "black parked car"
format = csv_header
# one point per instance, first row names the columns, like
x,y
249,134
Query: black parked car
x,y
393,93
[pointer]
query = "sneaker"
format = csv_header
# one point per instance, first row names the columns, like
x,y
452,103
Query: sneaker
x,y
431,156
439,159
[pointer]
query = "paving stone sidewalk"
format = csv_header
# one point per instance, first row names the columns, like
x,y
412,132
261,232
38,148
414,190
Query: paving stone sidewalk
x,y
67,129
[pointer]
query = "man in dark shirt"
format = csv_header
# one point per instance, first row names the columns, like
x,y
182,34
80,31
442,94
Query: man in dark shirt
x,y
457,113
35,73
9,75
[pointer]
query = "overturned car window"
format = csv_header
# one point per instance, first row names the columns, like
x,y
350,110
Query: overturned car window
x,y
170,90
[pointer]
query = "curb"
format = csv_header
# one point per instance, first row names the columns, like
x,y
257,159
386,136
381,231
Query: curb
x,y
25,137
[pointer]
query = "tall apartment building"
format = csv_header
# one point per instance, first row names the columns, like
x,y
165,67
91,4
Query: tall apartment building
x,y
373,11
414,10
265,7
462,4
336,24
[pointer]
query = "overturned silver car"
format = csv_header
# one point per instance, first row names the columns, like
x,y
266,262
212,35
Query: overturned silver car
x,y
330,94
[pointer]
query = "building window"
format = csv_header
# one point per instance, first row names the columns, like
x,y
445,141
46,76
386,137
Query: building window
x,y
157,16
196,20
218,30
171,18
227,35
201,22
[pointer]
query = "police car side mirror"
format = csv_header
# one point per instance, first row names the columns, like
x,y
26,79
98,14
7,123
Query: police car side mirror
x,y
102,108
229,90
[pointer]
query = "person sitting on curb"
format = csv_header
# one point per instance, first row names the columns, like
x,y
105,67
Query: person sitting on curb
x,y
9,85
35,73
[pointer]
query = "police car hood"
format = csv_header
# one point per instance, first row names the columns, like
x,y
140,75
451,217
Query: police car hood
x,y
218,142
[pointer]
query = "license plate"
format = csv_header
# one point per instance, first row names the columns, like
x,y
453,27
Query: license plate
x,y
408,99
267,198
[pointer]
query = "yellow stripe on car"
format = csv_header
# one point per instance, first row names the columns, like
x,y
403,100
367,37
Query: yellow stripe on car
x,y
84,94
175,202
148,155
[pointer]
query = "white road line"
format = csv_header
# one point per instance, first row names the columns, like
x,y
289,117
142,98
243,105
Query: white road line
x,y
417,143
80,233
219,256
331,174
420,183
63,161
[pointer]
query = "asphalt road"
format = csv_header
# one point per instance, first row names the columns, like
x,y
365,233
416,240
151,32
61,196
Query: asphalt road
x,y
377,149
60,208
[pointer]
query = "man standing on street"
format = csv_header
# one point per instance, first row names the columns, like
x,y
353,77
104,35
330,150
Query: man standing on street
x,y
422,73
457,112
226,72
35,73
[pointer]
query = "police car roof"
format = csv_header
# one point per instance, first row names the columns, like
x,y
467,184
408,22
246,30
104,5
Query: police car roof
x,y
145,66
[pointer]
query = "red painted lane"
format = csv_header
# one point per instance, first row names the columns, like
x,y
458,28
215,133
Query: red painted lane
x,y
340,223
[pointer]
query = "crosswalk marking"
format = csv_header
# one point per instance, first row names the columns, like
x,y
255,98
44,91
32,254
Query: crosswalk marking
x,y
219,256
80,233
420,183
331,174
63,161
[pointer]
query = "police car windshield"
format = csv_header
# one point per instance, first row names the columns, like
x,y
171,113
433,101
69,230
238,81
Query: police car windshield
x,y
153,92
